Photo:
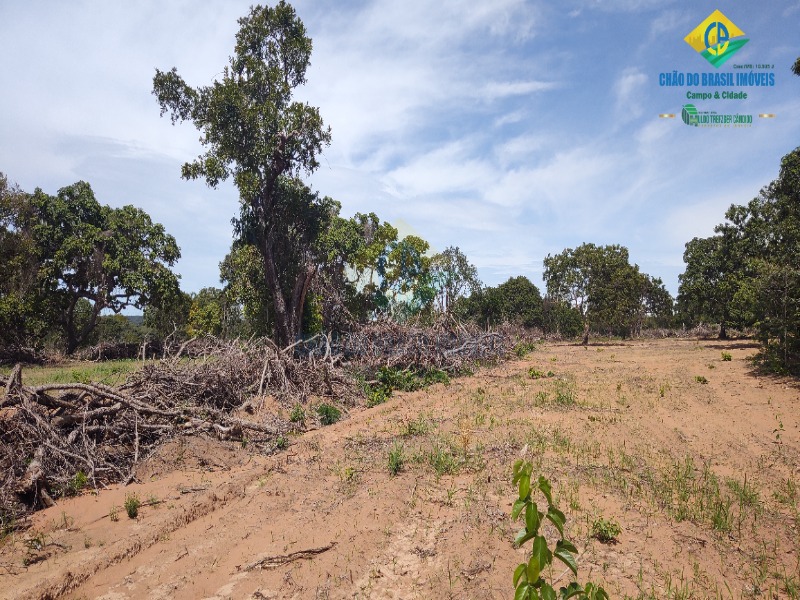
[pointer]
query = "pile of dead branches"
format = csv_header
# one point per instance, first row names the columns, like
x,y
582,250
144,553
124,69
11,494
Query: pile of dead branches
x,y
49,434
55,438
448,346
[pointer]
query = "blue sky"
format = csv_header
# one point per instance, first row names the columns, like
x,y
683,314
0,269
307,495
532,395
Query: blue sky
x,y
511,128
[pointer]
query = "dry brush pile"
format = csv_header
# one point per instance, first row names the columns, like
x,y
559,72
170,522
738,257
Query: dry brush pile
x,y
56,438
446,345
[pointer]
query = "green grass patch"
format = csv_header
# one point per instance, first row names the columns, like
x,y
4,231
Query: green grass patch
x,y
111,372
389,379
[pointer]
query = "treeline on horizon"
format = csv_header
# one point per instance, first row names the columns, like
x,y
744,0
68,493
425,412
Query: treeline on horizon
x,y
297,267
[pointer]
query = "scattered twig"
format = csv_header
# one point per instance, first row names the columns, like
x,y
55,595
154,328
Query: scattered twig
x,y
272,562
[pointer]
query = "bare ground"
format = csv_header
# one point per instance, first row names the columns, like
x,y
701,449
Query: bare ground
x,y
699,474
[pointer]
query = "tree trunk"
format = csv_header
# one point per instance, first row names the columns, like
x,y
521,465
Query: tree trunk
x,y
723,332
283,334
299,296
586,333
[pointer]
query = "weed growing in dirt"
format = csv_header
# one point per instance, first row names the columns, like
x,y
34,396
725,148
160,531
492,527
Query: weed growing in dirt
x,y
524,348
376,395
7,524
787,494
727,357
328,414
281,442
700,379
76,484
564,394
132,504
389,379
536,374
531,578
442,459
298,414
778,431
418,426
346,474
113,513
605,531
695,495
747,495
34,543
396,459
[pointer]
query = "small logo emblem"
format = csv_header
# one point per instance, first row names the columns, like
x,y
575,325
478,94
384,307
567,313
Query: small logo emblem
x,y
689,114
717,38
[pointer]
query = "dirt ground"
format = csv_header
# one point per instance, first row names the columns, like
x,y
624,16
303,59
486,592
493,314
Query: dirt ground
x,y
694,456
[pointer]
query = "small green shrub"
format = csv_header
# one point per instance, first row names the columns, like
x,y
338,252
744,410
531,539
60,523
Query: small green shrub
x,y
536,374
328,414
389,379
409,380
522,349
529,578
76,484
8,524
281,442
376,395
700,379
419,426
132,504
726,356
606,531
442,459
298,415
396,459
564,394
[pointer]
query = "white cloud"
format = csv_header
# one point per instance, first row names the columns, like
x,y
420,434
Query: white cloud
x,y
628,93
502,89
667,23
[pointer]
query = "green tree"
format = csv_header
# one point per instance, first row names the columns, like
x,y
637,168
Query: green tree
x,y
255,133
83,258
170,316
212,313
407,285
453,277
657,304
118,329
581,278
609,293
242,274
25,313
517,300
367,266
113,258
715,270
770,228
560,318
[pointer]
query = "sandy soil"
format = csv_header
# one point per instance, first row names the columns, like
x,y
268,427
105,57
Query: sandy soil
x,y
700,475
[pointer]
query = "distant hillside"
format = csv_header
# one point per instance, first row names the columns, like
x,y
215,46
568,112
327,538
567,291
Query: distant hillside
x,y
135,319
